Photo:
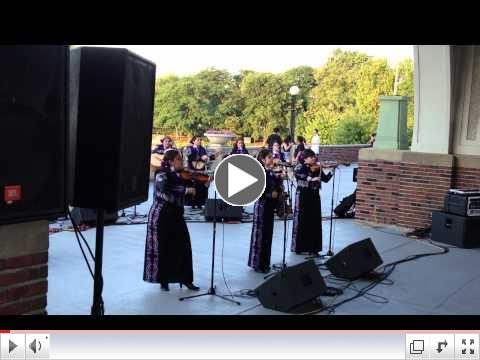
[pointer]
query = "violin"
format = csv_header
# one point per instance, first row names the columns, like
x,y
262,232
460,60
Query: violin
x,y
195,175
316,168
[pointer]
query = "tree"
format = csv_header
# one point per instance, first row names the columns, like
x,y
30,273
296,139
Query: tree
x,y
352,129
265,103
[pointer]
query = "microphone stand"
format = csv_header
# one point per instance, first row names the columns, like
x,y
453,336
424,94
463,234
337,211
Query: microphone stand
x,y
330,244
283,265
212,291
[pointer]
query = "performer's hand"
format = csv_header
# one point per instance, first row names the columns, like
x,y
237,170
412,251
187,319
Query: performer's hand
x,y
205,158
274,195
316,178
190,191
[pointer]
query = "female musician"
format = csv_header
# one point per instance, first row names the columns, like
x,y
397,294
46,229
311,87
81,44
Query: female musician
x,y
287,148
166,144
239,147
307,216
297,155
196,159
262,230
277,154
168,251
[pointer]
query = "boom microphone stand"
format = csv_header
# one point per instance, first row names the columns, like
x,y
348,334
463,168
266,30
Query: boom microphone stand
x,y
212,291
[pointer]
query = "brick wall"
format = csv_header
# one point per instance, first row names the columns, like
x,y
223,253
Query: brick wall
x,y
24,268
466,178
400,193
23,284
344,154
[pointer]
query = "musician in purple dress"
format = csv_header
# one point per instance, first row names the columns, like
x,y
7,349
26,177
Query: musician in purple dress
x,y
197,158
262,230
168,251
166,144
239,148
277,153
307,216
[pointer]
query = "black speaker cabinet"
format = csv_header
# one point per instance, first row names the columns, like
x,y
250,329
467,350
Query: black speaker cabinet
x,y
355,260
223,210
89,216
33,132
289,290
112,98
461,231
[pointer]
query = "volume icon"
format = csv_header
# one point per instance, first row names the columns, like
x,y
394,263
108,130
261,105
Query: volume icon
x,y
35,346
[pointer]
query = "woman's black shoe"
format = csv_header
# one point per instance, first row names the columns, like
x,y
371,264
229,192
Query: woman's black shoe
x,y
190,286
165,287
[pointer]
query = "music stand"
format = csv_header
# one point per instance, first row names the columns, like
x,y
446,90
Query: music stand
x,y
212,291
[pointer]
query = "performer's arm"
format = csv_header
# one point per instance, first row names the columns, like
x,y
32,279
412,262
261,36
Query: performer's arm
x,y
161,187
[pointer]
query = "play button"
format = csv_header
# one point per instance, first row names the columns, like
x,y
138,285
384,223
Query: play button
x,y
240,180
11,346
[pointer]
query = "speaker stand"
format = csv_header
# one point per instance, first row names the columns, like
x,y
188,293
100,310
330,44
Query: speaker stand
x,y
97,307
212,291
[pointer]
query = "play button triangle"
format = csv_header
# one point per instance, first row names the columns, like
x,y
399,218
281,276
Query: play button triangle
x,y
11,346
238,180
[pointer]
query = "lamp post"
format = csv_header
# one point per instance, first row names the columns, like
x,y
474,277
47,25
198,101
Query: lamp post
x,y
294,91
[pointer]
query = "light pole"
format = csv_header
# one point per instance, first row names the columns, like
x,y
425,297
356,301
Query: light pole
x,y
294,91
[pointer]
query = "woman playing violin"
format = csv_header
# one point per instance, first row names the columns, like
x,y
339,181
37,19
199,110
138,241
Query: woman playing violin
x,y
307,216
262,230
168,251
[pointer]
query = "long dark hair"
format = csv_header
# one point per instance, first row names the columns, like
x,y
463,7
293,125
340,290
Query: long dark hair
x,y
307,153
262,155
288,140
195,137
235,144
300,139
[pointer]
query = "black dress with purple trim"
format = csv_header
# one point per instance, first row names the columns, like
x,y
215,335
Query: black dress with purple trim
x,y
168,251
200,198
307,215
262,230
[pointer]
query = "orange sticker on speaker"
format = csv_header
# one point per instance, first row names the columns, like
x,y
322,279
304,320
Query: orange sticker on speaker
x,y
12,193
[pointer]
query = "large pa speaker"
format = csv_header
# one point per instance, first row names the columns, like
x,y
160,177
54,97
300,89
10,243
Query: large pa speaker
x,y
112,98
355,261
89,216
293,288
452,229
222,210
33,132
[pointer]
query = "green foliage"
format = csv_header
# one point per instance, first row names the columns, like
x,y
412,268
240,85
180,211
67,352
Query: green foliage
x,y
353,129
340,99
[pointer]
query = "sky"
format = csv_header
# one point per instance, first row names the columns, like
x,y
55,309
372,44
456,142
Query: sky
x,y
189,59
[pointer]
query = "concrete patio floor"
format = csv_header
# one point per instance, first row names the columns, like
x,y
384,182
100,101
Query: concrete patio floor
x,y
446,284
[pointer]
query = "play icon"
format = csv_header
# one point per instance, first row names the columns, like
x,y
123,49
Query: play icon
x,y
11,346
239,180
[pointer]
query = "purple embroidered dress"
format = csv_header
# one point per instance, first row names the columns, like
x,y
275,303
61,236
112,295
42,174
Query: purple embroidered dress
x,y
262,230
168,251
307,215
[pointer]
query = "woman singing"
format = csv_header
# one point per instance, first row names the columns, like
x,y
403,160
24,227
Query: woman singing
x,y
239,148
262,230
307,216
196,159
168,252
